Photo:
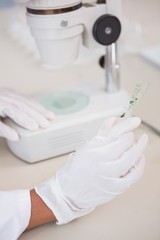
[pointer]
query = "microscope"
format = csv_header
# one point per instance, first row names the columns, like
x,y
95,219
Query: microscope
x,y
59,28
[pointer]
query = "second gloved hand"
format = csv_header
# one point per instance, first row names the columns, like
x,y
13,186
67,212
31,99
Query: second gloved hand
x,y
98,172
24,111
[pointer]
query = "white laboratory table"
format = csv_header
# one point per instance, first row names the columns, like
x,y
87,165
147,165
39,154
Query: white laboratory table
x,y
132,215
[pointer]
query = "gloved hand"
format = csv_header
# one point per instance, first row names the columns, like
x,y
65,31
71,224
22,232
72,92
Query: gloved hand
x,y
25,112
96,173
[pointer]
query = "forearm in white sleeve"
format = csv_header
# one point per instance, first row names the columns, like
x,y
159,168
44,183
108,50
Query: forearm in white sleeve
x,y
15,211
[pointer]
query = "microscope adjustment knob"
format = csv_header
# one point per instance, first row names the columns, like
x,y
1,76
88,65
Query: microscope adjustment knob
x,y
106,29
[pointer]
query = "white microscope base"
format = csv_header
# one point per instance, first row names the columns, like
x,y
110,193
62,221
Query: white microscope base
x,y
67,132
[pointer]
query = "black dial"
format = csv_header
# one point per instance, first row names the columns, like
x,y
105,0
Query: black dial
x,y
106,29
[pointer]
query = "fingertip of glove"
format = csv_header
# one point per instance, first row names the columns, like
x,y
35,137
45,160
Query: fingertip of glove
x,y
44,123
8,133
109,122
13,137
135,172
50,115
145,137
32,127
143,140
106,127
139,167
135,121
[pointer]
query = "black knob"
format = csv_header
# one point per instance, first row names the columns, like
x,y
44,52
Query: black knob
x,y
106,29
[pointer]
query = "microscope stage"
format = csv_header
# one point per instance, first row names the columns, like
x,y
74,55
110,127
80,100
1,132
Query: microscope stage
x,y
78,116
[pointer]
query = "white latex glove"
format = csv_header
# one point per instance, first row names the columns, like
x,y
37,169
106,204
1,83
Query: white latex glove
x,y
24,111
15,210
102,169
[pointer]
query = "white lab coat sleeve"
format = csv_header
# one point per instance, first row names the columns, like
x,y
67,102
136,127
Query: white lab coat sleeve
x,y
15,211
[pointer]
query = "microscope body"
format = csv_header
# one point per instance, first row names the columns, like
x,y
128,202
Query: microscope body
x,y
60,28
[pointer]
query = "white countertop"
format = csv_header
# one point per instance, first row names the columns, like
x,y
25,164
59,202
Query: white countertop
x,y
134,214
